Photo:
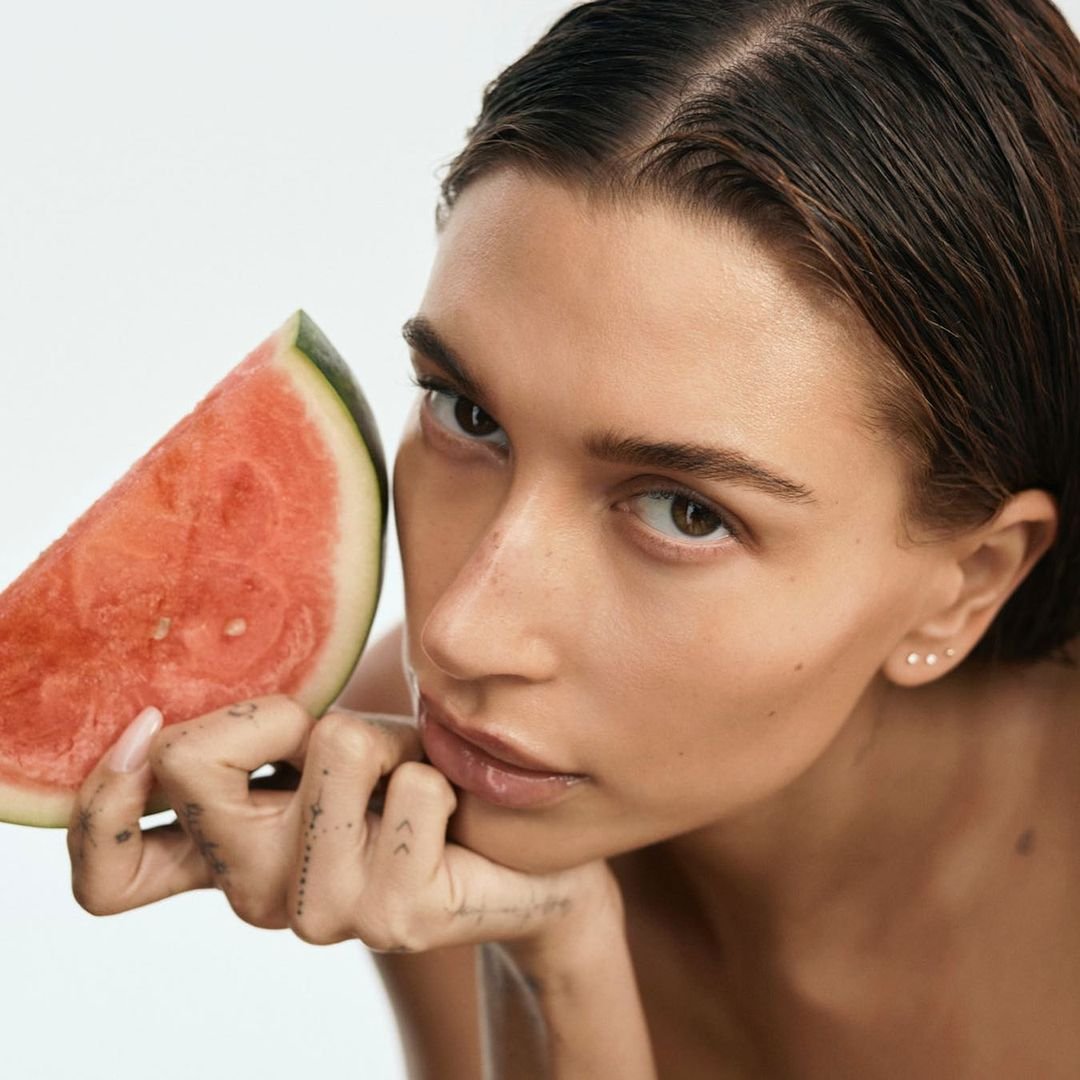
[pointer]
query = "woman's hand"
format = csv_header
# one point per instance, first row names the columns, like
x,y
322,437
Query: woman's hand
x,y
324,861
319,859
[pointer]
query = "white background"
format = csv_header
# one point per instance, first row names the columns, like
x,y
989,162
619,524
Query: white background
x,y
175,181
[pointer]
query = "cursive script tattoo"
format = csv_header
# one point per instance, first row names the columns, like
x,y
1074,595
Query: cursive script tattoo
x,y
549,905
192,814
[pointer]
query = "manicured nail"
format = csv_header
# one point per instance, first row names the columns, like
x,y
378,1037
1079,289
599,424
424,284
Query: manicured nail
x,y
132,747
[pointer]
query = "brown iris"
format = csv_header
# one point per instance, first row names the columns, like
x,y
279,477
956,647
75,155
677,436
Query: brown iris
x,y
692,518
473,419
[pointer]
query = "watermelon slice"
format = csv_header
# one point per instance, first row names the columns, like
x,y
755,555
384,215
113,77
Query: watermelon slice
x,y
242,555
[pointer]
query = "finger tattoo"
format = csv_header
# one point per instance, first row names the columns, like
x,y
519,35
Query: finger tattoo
x,y
549,905
403,846
193,818
85,826
315,809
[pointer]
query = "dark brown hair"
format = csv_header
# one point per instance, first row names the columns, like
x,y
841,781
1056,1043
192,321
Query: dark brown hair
x,y
917,158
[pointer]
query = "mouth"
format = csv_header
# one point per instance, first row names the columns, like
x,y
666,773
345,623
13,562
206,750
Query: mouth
x,y
488,766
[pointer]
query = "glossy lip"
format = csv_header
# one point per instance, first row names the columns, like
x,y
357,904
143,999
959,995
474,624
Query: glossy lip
x,y
487,765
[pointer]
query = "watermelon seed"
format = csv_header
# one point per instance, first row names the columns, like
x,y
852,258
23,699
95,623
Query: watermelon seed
x,y
162,629
235,627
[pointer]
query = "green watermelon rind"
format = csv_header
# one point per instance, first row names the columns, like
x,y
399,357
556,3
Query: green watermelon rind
x,y
339,410
314,361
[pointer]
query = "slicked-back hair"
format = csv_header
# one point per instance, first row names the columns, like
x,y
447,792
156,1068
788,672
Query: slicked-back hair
x,y
919,160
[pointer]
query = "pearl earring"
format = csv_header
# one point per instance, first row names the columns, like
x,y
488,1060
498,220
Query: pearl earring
x,y
931,658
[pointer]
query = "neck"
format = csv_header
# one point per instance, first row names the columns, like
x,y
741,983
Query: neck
x,y
904,809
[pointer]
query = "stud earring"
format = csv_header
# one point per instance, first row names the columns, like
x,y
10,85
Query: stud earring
x,y
931,658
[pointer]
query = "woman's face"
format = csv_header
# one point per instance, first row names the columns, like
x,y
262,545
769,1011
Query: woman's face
x,y
687,635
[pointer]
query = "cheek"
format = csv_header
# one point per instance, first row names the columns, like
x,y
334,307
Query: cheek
x,y
439,519
736,687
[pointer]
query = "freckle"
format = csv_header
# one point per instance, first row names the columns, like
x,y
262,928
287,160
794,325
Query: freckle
x,y
326,772
798,666
348,825
324,832
772,712
1025,842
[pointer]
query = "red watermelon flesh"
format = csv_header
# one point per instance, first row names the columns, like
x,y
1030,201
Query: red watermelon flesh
x,y
242,555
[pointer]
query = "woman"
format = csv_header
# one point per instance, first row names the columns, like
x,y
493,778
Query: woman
x,y
734,711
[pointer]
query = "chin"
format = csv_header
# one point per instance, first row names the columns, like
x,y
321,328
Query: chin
x,y
519,839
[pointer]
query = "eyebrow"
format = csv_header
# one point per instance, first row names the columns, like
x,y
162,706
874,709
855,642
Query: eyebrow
x,y
714,463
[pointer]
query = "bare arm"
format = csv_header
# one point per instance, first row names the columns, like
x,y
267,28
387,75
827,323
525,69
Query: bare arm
x,y
566,1007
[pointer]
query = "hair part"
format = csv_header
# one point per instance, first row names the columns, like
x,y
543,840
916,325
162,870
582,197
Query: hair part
x,y
919,160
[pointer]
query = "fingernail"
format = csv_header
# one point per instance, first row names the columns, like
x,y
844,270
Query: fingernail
x,y
132,747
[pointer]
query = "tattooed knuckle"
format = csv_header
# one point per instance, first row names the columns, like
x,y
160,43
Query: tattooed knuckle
x,y
171,755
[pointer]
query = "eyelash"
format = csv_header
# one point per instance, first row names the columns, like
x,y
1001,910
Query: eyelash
x,y
670,491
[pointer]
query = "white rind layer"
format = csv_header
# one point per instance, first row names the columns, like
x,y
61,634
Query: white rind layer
x,y
357,568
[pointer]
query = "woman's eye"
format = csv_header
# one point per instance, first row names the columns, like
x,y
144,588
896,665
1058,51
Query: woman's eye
x,y
457,414
681,516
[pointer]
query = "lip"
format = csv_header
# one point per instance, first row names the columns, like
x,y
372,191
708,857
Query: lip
x,y
486,765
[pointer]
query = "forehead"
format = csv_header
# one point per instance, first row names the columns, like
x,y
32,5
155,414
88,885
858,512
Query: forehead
x,y
694,331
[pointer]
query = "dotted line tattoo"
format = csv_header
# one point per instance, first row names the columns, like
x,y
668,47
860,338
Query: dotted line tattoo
x,y
315,809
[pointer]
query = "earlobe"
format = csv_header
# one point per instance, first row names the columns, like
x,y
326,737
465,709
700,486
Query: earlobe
x,y
987,564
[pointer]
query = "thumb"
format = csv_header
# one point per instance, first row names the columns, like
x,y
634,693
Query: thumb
x,y
104,840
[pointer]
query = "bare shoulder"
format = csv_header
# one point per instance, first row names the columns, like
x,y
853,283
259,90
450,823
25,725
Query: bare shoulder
x,y
433,994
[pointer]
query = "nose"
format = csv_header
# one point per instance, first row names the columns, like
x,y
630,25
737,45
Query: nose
x,y
500,614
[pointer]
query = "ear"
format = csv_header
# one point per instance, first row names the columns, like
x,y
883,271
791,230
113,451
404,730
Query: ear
x,y
983,568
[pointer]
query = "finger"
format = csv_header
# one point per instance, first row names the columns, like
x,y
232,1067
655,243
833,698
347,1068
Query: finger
x,y
204,764
411,841
347,754
115,866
